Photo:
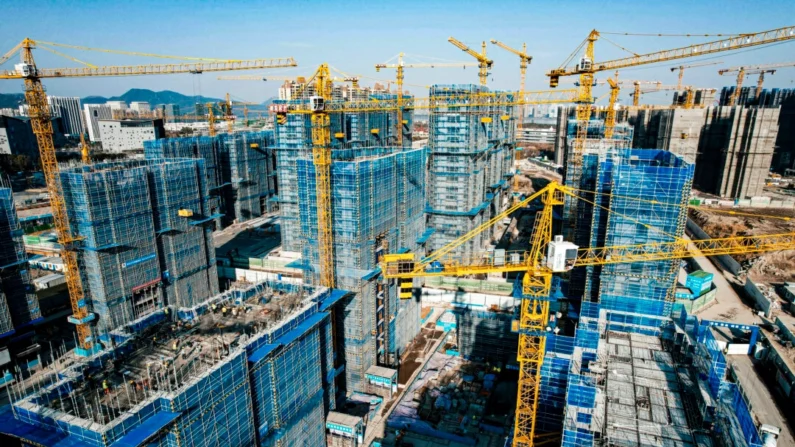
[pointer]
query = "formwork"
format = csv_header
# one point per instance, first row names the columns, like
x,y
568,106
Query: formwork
x,y
137,254
246,367
19,305
377,198
239,170
470,165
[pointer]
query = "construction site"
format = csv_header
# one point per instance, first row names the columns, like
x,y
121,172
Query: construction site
x,y
376,268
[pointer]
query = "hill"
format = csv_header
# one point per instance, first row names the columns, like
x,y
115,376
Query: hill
x,y
185,102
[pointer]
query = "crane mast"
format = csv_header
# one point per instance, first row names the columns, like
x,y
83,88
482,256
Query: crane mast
x,y
484,63
41,124
538,269
42,128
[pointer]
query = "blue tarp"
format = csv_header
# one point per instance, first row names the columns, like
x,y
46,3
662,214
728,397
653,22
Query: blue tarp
x,y
287,338
426,235
333,298
148,429
31,434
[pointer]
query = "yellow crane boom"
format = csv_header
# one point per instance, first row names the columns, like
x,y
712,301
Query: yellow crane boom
x,y
524,60
35,96
536,281
399,67
484,63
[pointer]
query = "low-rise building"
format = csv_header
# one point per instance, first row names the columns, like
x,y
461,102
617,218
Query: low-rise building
x,y
129,135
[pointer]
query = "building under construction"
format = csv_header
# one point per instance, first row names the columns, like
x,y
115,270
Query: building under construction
x,y
470,168
732,146
377,192
250,366
146,240
19,306
239,168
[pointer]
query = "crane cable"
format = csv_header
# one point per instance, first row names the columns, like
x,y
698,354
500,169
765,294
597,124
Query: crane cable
x,y
569,192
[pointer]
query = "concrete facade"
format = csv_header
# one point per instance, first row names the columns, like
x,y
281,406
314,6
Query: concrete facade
x,y
92,114
736,150
128,135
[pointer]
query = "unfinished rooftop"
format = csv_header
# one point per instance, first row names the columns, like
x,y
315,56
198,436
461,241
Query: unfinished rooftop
x,y
166,353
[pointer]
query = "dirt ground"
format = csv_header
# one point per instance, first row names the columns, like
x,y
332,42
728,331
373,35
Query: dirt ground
x,y
768,267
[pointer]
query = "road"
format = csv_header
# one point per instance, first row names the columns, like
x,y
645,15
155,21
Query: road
x,y
377,425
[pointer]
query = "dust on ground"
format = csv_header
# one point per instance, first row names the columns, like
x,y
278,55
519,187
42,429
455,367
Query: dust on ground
x,y
770,267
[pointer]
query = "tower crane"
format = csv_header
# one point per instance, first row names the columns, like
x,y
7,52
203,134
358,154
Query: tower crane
x,y
321,105
400,66
588,67
682,68
32,75
543,258
484,63
537,284
751,69
524,60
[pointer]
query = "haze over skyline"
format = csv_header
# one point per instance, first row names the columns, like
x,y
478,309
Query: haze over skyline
x,y
351,37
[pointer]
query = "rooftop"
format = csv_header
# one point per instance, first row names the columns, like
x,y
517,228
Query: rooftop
x,y
643,401
164,352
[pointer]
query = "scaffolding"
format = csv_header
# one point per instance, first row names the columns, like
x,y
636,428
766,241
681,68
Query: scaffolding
x,y
249,366
239,170
19,305
377,201
470,165
138,253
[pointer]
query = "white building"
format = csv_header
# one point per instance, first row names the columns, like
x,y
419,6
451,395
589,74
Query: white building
x,y
68,108
93,113
140,106
121,136
8,111
117,105
537,134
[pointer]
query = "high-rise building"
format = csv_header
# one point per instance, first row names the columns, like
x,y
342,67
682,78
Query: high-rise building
x,y
146,243
68,108
471,162
140,106
19,306
93,113
377,193
240,174
120,136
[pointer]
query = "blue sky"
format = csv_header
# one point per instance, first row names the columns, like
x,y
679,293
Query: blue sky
x,y
354,35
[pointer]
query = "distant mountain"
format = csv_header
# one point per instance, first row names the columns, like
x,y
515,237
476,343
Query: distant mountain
x,y
11,100
185,102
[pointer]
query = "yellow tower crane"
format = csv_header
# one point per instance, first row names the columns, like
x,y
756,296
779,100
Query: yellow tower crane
x,y
682,68
484,63
538,262
587,67
742,71
524,61
31,74
400,66
321,105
